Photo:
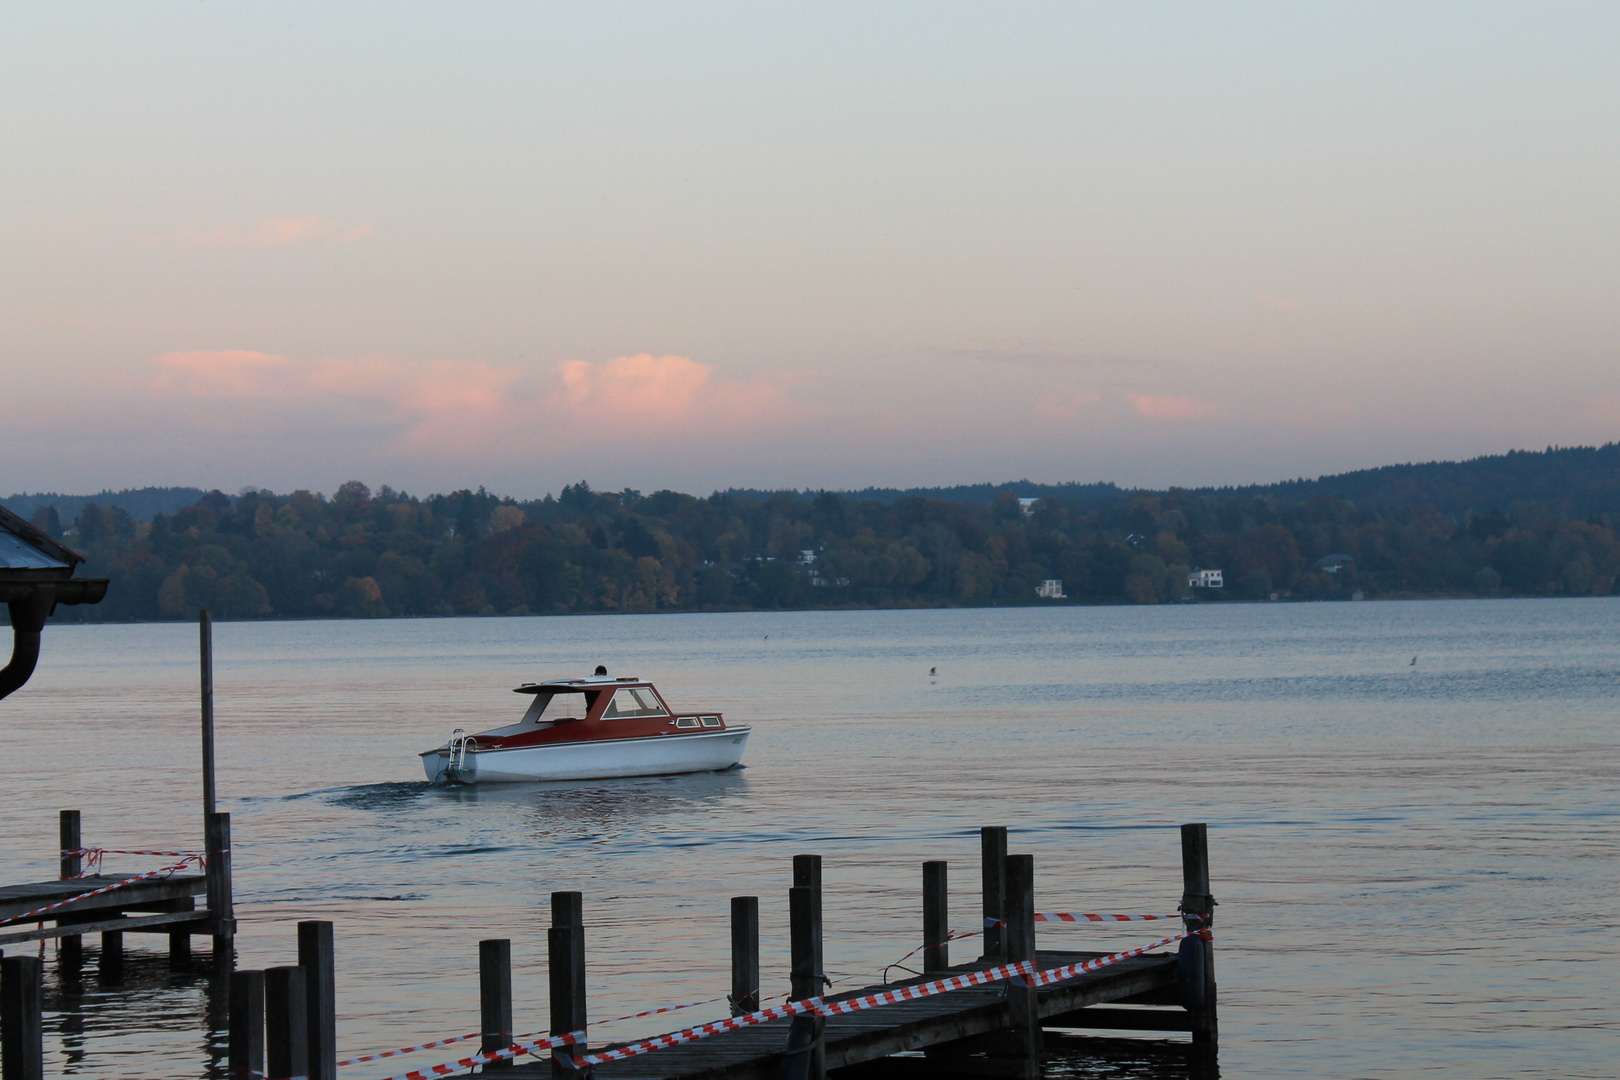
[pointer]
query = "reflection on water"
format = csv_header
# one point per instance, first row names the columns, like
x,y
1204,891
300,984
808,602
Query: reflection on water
x,y
1361,810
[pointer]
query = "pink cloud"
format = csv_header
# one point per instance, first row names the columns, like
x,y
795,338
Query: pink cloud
x,y
1276,303
1065,406
466,405
269,233
1170,408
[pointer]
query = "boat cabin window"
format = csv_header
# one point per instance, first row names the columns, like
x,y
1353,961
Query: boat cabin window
x,y
634,701
711,721
686,722
551,707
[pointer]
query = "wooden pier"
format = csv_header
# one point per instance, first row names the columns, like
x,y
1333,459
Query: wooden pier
x,y
283,1021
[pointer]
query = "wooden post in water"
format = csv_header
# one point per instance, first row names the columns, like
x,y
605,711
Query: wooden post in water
x,y
744,955
993,873
320,998
565,949
1023,1012
110,967
807,875
495,998
70,946
217,880
205,642
1197,901
936,921
805,1057
245,1024
22,1029
286,1023
179,948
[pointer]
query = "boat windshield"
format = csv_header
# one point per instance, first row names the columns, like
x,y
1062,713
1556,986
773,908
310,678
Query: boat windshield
x,y
634,701
550,707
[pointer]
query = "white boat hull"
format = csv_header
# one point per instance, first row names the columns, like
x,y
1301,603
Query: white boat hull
x,y
660,755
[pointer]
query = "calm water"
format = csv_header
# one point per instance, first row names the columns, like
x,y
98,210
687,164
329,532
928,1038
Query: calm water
x,y
1416,864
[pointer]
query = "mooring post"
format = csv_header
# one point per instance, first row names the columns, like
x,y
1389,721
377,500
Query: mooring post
x,y
286,1024
807,874
179,948
22,1029
1198,955
245,1024
205,643
1023,1012
993,873
744,955
70,946
804,1057
111,964
565,949
217,881
495,998
936,921
320,997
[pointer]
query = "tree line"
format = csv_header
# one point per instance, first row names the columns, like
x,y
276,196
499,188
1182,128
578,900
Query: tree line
x,y
363,554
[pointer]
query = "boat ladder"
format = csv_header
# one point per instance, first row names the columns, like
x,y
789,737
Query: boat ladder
x,y
460,744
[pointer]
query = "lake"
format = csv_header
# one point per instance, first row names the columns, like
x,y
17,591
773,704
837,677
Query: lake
x,y
1416,862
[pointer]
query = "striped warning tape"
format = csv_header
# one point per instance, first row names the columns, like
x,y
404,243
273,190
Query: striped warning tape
x,y
1085,917
811,1005
30,916
818,1006
363,1058
547,1042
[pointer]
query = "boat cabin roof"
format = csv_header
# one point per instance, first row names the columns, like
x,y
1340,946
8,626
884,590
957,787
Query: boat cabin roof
x,y
578,686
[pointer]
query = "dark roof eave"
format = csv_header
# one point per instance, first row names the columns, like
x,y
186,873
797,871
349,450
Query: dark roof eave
x,y
26,531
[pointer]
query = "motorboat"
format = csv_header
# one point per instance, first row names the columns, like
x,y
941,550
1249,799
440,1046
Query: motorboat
x,y
586,729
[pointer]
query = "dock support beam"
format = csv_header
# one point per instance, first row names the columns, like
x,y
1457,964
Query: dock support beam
x,y
22,1029
1023,1010
993,872
744,955
70,946
1196,901
320,997
936,920
245,1024
110,967
565,948
495,998
217,880
286,1023
805,1057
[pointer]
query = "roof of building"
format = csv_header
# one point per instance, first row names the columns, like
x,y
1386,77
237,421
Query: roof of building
x,y
25,547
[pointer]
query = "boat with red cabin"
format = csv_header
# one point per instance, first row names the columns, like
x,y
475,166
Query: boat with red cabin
x,y
586,729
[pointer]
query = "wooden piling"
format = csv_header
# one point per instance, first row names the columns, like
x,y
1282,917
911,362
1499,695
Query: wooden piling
x,y
1196,900
205,643
495,998
22,1029
1023,1011
806,1057
565,949
807,874
217,879
110,965
993,874
179,948
936,920
744,954
286,1024
72,865
315,956
245,1024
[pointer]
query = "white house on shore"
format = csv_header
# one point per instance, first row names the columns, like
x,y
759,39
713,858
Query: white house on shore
x,y
1205,579
1050,589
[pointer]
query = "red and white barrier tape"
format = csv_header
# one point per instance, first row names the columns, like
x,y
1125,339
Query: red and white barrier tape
x,y
810,1005
1069,971
30,916
818,1006
954,935
1085,917
363,1058
547,1042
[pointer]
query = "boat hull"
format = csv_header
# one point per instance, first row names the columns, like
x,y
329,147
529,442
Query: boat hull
x,y
662,755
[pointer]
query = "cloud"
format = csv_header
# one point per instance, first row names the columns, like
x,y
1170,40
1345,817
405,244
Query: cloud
x,y
1169,408
1276,303
456,406
269,233
1065,406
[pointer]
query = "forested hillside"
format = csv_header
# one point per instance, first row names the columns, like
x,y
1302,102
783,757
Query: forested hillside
x,y
361,553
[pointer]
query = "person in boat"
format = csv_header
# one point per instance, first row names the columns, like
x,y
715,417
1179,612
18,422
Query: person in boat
x,y
601,669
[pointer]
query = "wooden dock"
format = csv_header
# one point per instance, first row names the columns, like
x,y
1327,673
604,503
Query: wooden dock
x,y
990,1021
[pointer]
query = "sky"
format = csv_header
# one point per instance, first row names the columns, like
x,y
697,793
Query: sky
x,y
835,245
